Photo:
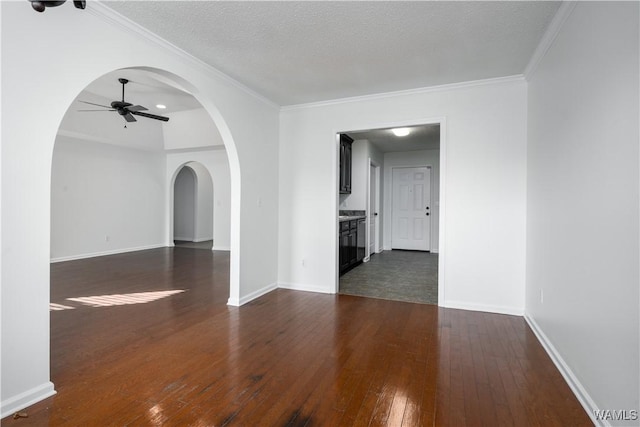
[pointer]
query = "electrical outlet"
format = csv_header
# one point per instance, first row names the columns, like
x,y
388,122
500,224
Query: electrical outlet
x,y
303,262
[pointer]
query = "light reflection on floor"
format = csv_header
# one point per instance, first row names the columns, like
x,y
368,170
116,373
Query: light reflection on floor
x,y
59,307
116,299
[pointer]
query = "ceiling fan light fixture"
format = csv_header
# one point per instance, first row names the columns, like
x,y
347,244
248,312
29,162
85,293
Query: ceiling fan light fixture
x,y
401,131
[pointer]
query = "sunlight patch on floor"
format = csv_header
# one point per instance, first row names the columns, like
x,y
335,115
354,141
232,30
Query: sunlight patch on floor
x,y
59,307
116,299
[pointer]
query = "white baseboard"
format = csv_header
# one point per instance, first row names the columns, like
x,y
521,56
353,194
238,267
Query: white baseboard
x,y
220,248
574,384
253,295
183,239
111,252
498,309
27,398
305,288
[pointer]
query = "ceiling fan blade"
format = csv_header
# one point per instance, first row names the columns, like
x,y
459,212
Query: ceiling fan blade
x,y
96,110
128,117
150,116
137,108
98,105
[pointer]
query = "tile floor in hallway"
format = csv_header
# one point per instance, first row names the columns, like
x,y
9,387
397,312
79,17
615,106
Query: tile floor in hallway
x,y
395,275
207,244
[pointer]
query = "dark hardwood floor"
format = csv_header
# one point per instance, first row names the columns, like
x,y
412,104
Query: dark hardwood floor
x,y
286,359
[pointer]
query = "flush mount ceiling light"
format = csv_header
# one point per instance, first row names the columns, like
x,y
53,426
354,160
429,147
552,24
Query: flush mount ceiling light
x,y
161,106
401,131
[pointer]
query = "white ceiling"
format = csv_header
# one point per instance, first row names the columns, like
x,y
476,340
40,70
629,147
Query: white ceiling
x,y
296,52
426,137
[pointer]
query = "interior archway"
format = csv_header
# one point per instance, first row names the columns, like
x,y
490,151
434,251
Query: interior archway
x,y
193,217
185,209
109,185
69,130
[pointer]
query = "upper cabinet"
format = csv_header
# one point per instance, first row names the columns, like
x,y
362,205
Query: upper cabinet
x,y
345,164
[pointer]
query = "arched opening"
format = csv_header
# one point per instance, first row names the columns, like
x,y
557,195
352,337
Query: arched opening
x,y
112,193
193,207
185,199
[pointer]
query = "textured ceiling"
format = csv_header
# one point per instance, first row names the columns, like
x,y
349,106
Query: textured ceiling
x,y
426,137
297,52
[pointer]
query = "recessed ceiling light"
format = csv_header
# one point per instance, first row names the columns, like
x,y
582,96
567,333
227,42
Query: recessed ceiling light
x,y
401,131
161,106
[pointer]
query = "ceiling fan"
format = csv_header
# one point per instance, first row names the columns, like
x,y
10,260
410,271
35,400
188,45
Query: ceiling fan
x,y
126,109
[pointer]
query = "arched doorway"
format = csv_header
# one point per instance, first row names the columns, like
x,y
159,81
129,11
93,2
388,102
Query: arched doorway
x,y
193,207
109,191
185,210
74,126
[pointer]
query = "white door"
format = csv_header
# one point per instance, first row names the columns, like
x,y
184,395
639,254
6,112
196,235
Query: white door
x,y
373,213
411,212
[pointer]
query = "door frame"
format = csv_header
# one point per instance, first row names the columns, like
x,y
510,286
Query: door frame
x,y
390,213
376,244
368,124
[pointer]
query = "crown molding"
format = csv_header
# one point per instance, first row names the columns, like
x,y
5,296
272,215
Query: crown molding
x,y
549,36
417,91
104,12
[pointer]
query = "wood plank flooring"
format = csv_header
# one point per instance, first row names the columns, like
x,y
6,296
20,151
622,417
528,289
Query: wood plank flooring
x,y
286,359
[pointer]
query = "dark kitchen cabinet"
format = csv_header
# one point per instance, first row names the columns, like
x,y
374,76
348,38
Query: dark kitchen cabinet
x,y
345,254
348,248
345,164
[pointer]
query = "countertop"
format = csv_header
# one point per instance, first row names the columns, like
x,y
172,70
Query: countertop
x,y
350,217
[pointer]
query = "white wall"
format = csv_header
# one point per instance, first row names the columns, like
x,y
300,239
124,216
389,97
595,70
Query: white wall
x,y
215,164
104,199
429,158
204,203
582,216
184,205
189,129
33,42
485,169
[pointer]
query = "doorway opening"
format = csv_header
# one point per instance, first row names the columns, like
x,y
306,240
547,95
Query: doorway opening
x,y
193,207
112,216
395,187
